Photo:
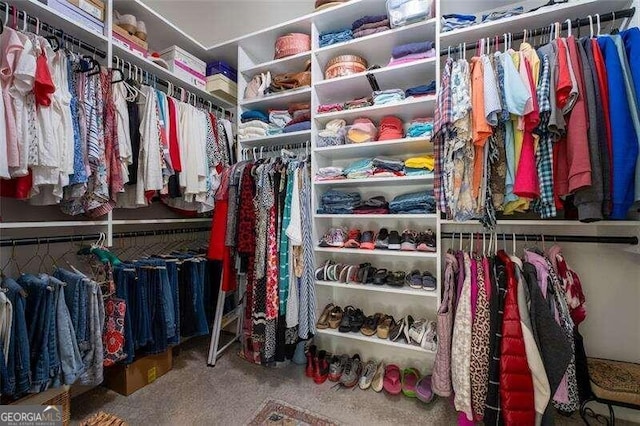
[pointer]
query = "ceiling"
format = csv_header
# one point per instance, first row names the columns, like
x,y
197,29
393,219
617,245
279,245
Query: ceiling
x,y
215,21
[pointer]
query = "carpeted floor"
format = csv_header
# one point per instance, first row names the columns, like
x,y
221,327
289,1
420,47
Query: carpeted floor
x,y
233,392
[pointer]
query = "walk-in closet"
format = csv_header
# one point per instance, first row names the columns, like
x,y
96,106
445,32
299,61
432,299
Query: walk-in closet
x,y
319,212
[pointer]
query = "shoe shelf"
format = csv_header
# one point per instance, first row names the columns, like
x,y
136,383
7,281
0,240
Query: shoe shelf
x,y
406,110
354,86
371,149
278,100
378,252
539,18
372,339
277,140
380,181
390,216
379,288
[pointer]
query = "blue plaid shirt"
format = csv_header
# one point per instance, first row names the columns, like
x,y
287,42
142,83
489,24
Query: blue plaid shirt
x,y
545,205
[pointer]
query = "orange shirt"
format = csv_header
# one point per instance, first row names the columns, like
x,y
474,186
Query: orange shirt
x,y
481,130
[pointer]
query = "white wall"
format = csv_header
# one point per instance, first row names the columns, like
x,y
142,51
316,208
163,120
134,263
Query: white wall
x,y
215,21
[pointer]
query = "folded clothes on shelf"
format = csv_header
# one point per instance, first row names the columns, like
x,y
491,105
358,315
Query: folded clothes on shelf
x,y
329,173
501,14
454,21
298,106
369,19
374,205
423,162
297,127
411,49
300,116
330,108
369,31
410,171
359,169
254,114
338,202
333,134
252,129
412,58
391,127
420,127
333,37
382,97
279,118
414,202
423,90
358,103
388,163
362,130
373,25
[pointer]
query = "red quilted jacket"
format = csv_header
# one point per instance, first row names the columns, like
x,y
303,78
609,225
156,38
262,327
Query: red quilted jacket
x,y
516,383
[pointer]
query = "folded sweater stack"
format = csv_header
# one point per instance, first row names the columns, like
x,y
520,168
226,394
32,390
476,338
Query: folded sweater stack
x,y
368,25
410,52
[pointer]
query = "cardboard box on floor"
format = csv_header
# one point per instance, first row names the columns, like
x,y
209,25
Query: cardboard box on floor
x,y
126,379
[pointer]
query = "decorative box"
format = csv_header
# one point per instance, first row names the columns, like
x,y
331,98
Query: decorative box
x,y
344,65
292,44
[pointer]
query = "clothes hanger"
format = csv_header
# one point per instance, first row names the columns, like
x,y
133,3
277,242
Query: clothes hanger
x,y
598,24
568,22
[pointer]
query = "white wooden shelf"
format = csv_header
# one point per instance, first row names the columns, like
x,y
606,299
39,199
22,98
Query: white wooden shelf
x,y
57,20
406,110
539,18
373,339
279,100
548,222
379,45
277,140
380,289
165,74
399,180
388,77
370,149
379,216
160,221
294,63
53,224
377,252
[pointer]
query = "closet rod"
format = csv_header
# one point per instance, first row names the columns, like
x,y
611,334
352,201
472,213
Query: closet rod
x,y
576,23
55,31
552,238
89,237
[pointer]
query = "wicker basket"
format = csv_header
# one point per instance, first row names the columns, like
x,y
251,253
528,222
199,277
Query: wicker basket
x,y
103,419
292,44
63,399
345,65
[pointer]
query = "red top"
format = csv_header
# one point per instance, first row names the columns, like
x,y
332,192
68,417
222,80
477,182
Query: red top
x,y
174,146
43,86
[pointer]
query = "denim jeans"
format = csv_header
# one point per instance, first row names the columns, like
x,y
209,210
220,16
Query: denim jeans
x,y
75,296
192,313
71,365
142,320
422,202
38,315
156,308
93,357
327,39
125,277
52,340
19,363
172,274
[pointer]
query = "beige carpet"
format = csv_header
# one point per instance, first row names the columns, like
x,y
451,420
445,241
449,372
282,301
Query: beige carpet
x,y
232,392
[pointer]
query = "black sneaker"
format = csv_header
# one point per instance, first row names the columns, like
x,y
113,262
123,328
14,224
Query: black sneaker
x,y
382,239
408,241
394,241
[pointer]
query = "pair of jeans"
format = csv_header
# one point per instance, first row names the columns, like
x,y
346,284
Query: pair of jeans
x,y
93,357
124,276
172,274
71,365
425,89
39,312
150,322
327,39
388,163
455,21
75,296
192,313
411,201
18,363
335,197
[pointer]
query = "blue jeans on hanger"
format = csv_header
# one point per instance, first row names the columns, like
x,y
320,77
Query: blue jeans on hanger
x,y
75,296
71,364
172,274
38,316
142,321
52,340
18,364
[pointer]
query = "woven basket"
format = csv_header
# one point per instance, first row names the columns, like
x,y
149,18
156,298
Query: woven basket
x,y
63,399
292,44
103,419
345,65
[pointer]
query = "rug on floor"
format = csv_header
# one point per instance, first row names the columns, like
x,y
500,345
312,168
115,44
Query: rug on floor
x,y
274,412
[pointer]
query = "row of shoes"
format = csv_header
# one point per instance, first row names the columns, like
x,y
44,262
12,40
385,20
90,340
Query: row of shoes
x,y
349,371
131,24
352,320
365,273
383,240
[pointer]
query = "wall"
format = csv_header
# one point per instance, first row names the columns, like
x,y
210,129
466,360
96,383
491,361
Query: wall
x,y
215,21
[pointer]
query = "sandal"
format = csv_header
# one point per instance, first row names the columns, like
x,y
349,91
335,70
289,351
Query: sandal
x,y
380,276
429,281
335,317
371,324
385,326
323,320
352,274
414,279
346,321
417,331
410,378
357,320
396,330
424,392
396,279
392,383
362,270
344,274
